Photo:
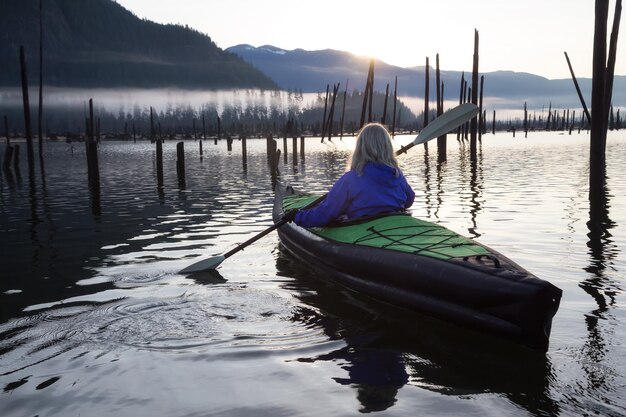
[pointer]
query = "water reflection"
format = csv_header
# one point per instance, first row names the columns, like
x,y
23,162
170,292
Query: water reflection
x,y
208,277
375,372
476,188
427,185
95,199
388,348
8,175
441,171
602,288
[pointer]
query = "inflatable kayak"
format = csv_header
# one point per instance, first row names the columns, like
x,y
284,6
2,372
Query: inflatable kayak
x,y
425,267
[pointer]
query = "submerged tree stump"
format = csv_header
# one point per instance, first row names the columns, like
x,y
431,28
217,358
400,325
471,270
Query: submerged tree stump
x,y
180,164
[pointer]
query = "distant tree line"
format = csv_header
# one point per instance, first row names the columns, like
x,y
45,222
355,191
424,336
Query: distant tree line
x,y
251,113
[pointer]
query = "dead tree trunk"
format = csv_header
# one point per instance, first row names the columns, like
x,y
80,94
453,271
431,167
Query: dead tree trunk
x,y
426,96
474,96
441,140
26,103
40,112
395,100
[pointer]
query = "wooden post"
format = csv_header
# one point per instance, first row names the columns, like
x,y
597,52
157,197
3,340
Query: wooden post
x,y
426,97
426,94
295,151
474,96
481,118
200,145
371,94
525,121
180,163
16,159
152,138
92,153
324,117
8,153
27,126
466,126
395,100
610,66
219,129
229,143
271,156
331,114
285,146
302,147
268,144
343,112
484,122
203,127
40,110
493,123
598,102
6,130
159,162
244,152
383,120
366,94
441,140
461,100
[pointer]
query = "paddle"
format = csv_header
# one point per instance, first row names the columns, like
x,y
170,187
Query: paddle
x,y
443,124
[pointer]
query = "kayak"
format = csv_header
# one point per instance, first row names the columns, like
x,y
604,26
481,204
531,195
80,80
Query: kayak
x,y
425,267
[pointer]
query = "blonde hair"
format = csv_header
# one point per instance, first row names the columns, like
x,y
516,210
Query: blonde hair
x,y
373,144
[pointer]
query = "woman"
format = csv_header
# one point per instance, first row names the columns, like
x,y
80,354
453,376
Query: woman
x,y
373,185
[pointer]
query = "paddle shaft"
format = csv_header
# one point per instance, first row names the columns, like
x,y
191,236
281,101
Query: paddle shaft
x,y
254,238
405,148
269,229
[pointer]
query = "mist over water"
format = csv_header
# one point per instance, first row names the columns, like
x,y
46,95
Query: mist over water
x,y
130,101
113,100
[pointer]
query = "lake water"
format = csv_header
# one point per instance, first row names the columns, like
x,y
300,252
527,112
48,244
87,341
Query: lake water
x,y
96,321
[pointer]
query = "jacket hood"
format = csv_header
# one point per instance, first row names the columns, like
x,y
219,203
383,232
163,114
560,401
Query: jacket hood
x,y
381,173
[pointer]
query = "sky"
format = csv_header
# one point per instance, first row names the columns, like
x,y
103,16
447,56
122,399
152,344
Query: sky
x,y
517,35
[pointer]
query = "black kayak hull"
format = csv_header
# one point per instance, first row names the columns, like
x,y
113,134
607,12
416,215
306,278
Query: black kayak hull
x,y
498,297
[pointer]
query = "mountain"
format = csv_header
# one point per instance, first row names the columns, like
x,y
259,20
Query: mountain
x,y
311,71
98,43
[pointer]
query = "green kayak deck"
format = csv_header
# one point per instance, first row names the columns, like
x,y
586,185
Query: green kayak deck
x,y
398,232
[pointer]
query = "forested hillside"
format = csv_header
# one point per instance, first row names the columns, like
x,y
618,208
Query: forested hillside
x,y
98,43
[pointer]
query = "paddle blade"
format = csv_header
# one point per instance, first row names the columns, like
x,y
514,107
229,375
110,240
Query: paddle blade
x,y
203,265
447,122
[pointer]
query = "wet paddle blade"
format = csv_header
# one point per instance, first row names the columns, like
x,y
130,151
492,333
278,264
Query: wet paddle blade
x,y
447,122
203,265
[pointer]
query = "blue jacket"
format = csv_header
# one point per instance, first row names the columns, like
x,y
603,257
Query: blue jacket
x,y
380,189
